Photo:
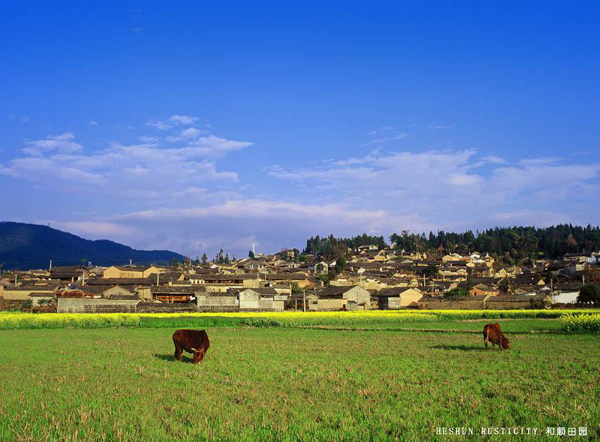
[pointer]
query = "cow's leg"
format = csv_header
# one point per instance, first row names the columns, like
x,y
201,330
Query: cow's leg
x,y
178,352
198,356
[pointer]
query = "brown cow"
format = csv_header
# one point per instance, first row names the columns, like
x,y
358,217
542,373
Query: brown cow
x,y
192,341
493,334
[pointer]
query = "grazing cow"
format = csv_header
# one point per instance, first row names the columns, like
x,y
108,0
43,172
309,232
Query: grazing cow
x,y
493,334
192,341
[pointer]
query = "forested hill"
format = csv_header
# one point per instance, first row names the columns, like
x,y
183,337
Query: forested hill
x,y
30,246
513,243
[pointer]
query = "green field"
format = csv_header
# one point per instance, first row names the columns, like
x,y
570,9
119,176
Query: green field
x,y
274,383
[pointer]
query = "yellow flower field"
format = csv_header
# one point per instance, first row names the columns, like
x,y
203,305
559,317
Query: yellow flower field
x,y
281,319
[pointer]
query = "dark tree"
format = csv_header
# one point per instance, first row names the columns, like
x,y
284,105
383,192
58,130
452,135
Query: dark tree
x,y
332,248
456,292
340,265
431,270
589,294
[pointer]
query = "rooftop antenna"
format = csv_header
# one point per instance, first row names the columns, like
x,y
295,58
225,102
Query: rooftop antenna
x,y
253,249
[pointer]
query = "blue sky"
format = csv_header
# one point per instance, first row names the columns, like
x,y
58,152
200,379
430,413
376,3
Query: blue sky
x,y
196,126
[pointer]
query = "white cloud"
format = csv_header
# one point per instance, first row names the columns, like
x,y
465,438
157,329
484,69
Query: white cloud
x,y
212,145
151,194
172,121
185,134
62,143
45,170
149,140
190,132
442,187
161,125
539,161
235,224
92,123
540,180
183,120
131,170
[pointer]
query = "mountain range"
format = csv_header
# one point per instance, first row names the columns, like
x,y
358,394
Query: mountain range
x,y
31,246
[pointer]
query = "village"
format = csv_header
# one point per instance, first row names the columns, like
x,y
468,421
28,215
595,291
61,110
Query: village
x,y
366,277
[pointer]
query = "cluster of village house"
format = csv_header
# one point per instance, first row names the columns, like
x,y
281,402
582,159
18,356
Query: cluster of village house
x,y
371,279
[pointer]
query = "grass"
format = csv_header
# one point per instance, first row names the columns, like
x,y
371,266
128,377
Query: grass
x,y
465,326
292,384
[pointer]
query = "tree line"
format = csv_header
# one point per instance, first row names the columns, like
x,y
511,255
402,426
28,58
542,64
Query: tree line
x,y
331,248
511,242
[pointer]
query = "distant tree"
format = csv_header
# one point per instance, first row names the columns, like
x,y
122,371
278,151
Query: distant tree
x,y
589,293
468,284
251,254
508,244
331,248
550,278
323,278
431,270
592,273
340,265
226,261
456,292
506,286
204,258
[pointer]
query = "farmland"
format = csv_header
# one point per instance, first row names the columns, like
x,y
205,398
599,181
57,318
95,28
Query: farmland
x,y
263,382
